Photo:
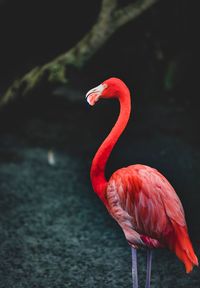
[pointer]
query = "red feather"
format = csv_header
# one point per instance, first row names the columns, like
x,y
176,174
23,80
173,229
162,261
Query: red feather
x,y
141,199
138,197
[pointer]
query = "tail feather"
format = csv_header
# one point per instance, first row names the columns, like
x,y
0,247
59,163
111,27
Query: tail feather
x,y
186,258
182,246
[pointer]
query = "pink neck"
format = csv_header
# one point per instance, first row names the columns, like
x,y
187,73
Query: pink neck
x,y
97,172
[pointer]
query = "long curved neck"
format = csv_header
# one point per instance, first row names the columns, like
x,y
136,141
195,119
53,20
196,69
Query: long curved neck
x,y
97,172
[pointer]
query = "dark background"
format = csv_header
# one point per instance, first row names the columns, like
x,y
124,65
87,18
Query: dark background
x,y
54,230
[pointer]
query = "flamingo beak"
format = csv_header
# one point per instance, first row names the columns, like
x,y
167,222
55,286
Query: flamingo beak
x,y
94,94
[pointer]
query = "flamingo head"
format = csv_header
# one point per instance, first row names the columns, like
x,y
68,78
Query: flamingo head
x,y
108,89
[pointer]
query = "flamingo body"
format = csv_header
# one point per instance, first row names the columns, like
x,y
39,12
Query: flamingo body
x,y
149,211
138,197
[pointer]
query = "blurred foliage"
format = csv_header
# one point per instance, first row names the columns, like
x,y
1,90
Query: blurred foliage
x,y
140,53
170,74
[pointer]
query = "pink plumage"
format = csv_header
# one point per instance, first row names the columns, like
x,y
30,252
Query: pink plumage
x,y
138,197
149,211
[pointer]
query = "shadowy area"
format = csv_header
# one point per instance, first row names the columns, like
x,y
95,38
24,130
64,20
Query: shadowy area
x,y
54,230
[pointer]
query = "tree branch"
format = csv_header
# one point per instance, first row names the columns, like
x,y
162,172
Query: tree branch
x,y
132,11
107,6
109,20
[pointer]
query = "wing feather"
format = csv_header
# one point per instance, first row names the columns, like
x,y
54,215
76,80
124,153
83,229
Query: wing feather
x,y
149,199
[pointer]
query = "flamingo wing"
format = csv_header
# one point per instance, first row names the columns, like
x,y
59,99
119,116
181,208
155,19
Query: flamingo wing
x,y
147,197
156,204
141,199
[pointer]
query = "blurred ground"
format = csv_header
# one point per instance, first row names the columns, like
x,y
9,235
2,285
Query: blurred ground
x,y
54,231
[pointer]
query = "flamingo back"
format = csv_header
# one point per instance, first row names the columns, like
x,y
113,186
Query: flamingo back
x,y
147,207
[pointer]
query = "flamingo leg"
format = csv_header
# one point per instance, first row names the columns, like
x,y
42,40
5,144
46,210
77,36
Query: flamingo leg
x,y
149,260
134,268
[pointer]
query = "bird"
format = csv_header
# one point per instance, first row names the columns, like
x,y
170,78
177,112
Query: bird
x,y
138,197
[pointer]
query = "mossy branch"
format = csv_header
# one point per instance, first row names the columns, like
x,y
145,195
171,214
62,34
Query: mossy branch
x,y
55,72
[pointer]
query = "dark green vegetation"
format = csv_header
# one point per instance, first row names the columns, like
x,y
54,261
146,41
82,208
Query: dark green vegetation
x,y
54,231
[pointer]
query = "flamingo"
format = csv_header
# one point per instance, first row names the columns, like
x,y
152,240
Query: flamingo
x,y
138,197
